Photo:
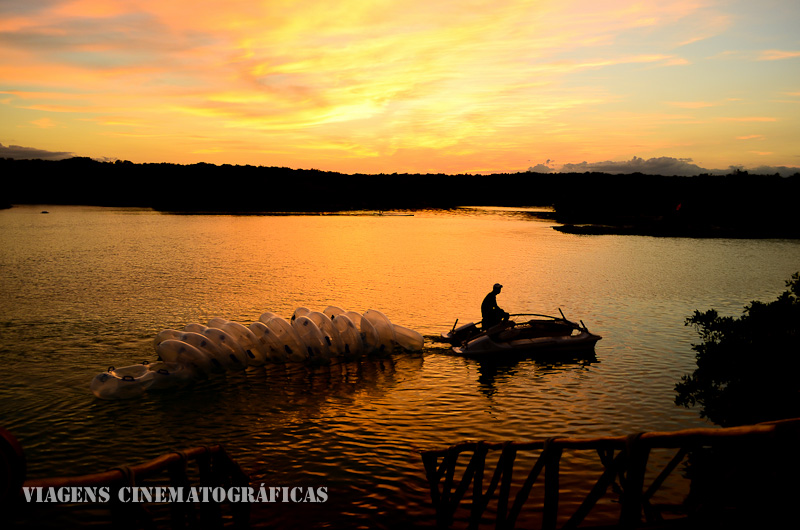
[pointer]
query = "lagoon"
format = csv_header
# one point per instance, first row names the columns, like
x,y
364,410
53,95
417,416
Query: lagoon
x,y
85,288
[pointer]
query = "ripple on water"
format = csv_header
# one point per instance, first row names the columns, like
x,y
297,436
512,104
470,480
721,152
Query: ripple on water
x,y
355,428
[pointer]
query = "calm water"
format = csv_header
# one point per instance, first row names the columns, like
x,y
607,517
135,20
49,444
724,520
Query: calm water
x,y
85,288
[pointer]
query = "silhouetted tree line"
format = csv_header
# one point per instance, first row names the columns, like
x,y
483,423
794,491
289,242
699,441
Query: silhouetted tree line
x,y
737,204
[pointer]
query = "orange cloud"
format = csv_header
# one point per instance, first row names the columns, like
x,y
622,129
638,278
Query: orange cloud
x,y
44,123
362,79
691,104
777,55
751,118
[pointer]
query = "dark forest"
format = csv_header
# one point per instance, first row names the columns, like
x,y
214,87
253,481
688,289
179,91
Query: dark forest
x,y
735,205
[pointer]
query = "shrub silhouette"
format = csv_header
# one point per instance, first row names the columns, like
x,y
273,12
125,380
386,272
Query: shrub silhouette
x,y
747,367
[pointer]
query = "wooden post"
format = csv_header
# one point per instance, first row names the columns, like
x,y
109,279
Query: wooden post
x,y
551,484
478,505
507,462
633,482
597,491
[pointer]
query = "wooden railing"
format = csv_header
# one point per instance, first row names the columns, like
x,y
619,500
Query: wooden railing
x,y
624,464
213,468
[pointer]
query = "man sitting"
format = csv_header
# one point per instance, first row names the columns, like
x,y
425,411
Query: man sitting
x,y
490,312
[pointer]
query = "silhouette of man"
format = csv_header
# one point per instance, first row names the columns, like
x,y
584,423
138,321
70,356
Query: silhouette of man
x,y
490,312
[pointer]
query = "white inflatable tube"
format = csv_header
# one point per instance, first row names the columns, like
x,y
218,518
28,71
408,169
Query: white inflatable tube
x,y
122,383
170,375
266,316
177,351
313,338
369,336
195,327
228,345
220,362
217,322
330,332
292,344
352,345
332,311
300,312
354,317
269,342
384,328
408,339
161,336
256,355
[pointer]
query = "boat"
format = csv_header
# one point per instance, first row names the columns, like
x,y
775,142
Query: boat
x,y
522,333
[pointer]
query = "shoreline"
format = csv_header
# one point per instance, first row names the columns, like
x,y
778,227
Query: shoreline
x,y
712,232
738,205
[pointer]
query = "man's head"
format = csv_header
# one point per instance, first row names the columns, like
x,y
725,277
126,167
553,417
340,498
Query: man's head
x,y
496,288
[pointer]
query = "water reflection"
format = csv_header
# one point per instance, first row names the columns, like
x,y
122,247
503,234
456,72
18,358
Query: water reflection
x,y
87,288
496,372
532,213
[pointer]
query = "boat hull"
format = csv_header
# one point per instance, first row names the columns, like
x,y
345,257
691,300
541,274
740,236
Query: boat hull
x,y
486,345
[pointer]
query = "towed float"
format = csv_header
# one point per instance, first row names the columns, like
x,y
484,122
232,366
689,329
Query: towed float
x,y
522,334
198,351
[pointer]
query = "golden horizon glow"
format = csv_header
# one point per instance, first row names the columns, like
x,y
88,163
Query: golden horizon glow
x,y
358,86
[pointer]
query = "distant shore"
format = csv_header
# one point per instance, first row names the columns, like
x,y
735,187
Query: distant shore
x,y
736,205
698,232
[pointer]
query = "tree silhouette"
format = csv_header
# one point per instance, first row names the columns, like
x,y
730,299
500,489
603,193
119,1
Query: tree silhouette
x,y
747,367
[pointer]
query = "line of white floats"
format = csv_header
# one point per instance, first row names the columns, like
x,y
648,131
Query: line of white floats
x,y
199,351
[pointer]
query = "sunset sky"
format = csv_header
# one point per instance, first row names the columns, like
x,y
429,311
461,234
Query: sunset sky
x,y
413,86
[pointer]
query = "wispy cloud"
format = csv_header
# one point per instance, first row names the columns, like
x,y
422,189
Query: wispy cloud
x,y
750,119
44,123
445,80
682,167
777,55
691,104
31,153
